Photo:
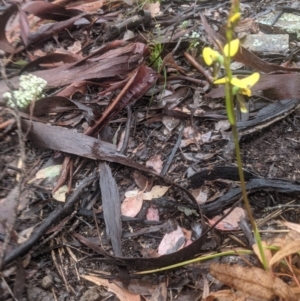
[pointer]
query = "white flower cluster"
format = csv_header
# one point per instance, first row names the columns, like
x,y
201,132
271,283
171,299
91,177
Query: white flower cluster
x,y
31,89
194,36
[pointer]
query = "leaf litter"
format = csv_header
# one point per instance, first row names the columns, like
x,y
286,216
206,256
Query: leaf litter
x,y
98,83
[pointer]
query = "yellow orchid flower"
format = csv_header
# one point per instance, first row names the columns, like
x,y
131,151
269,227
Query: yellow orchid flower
x,y
210,56
233,49
246,83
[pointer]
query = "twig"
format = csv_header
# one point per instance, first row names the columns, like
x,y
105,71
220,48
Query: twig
x,y
127,131
10,227
50,220
174,150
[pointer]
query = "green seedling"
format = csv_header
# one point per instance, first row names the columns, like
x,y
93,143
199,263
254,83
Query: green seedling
x,y
184,24
155,59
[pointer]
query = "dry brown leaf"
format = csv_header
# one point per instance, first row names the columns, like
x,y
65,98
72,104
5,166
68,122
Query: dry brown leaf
x,y
120,292
253,281
292,226
267,252
289,249
143,182
157,191
228,295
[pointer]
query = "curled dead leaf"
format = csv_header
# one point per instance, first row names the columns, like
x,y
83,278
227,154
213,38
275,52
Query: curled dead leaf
x,y
253,281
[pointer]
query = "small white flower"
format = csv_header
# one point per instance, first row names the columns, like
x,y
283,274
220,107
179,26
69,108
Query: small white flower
x,y
31,89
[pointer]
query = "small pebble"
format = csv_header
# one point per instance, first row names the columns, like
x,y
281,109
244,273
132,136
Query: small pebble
x,y
91,294
47,282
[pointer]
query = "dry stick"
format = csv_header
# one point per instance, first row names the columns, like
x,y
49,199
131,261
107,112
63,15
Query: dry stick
x,y
127,130
10,228
111,106
174,150
50,220
198,67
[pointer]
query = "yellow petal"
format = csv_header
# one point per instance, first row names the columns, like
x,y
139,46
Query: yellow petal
x,y
247,82
235,18
246,91
210,55
242,103
220,81
234,47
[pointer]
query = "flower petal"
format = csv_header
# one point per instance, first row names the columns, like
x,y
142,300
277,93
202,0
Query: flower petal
x,y
235,17
247,82
221,81
210,55
246,91
234,47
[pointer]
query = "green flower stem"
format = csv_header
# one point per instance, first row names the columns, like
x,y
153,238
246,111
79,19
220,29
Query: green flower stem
x,y
232,120
198,259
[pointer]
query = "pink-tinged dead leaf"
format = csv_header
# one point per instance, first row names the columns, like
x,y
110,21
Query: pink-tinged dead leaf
x,y
120,292
152,214
131,206
230,222
172,242
143,182
156,163
188,242
156,192
200,195
154,8
292,226
253,281
289,249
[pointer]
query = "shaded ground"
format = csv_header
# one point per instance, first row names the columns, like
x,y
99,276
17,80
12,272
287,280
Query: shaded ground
x,y
56,264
